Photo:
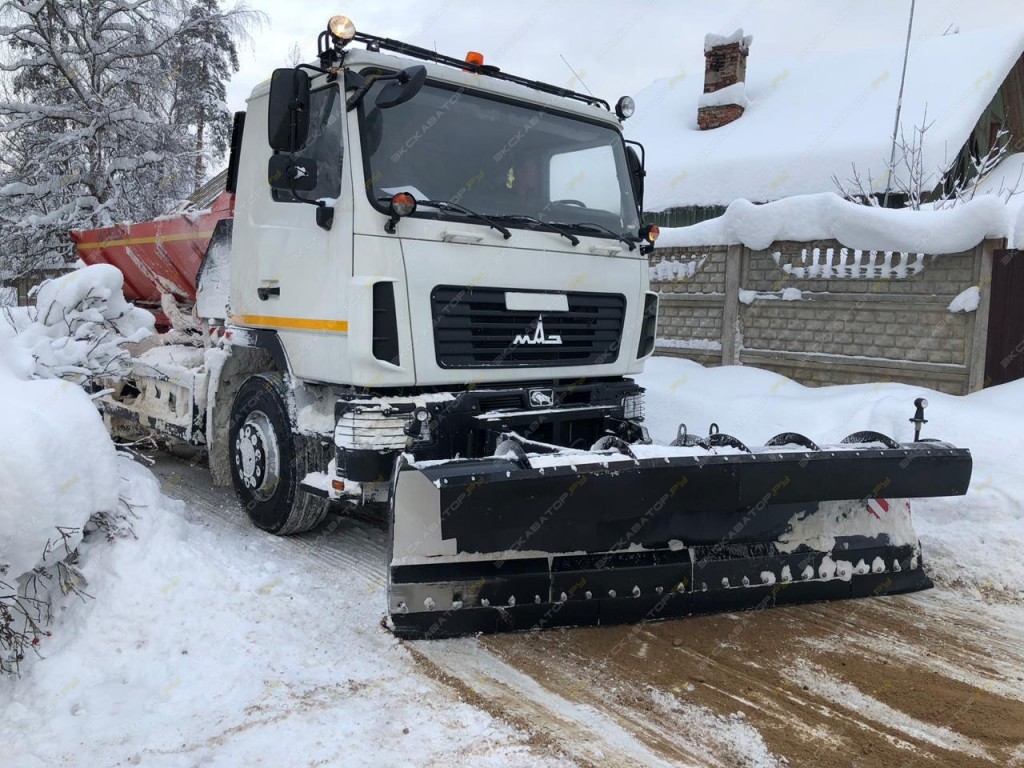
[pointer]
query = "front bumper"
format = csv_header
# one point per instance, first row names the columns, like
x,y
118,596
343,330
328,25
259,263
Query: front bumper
x,y
468,424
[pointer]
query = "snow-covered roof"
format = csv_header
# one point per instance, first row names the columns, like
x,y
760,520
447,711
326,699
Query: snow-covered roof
x,y
811,116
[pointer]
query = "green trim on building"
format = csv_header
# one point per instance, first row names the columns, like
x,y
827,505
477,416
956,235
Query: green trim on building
x,y
684,217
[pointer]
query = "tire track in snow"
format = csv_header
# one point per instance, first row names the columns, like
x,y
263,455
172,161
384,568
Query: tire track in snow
x,y
632,696
589,735
353,546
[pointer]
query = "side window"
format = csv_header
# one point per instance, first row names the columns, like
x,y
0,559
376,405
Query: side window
x,y
323,145
587,175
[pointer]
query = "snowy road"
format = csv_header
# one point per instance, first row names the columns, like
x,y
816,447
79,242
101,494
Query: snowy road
x,y
935,678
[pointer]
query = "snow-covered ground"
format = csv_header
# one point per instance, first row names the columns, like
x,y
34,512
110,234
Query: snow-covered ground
x,y
182,643
218,645
210,643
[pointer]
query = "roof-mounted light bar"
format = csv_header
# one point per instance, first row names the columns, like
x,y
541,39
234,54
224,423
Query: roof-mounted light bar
x,y
340,31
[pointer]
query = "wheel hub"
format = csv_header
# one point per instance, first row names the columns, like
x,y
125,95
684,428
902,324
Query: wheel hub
x,y
257,455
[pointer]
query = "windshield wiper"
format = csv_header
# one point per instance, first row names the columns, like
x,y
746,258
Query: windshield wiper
x,y
631,242
444,205
534,220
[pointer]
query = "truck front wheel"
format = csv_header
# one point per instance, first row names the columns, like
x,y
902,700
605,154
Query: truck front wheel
x,y
268,460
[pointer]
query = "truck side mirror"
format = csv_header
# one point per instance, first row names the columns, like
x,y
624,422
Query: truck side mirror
x,y
406,84
636,174
288,111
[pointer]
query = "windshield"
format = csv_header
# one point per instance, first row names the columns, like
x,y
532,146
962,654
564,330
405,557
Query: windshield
x,y
498,159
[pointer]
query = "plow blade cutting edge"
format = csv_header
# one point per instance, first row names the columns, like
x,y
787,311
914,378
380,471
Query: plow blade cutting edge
x,y
516,542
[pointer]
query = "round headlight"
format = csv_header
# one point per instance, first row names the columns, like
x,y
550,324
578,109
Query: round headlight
x,y
403,204
341,28
625,107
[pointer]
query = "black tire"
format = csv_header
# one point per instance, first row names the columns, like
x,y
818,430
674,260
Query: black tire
x,y
268,461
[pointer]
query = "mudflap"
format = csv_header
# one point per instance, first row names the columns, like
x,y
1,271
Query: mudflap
x,y
505,544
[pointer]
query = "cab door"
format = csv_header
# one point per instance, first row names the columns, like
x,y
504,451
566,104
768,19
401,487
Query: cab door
x,y
291,272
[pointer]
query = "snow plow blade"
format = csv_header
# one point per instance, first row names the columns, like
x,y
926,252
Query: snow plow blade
x,y
517,542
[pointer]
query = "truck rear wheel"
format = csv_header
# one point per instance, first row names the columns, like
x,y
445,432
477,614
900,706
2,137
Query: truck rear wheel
x,y
268,461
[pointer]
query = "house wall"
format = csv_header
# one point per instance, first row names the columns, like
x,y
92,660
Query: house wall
x,y
1012,92
858,316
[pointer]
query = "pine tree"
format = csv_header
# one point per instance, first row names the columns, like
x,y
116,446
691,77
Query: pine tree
x,y
205,57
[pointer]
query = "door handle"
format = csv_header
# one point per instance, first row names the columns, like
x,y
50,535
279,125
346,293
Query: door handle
x,y
460,237
266,292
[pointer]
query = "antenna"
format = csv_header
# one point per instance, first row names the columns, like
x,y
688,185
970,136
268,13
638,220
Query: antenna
x,y
899,107
575,75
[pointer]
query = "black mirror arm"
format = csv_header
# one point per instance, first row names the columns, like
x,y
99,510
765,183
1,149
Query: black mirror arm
x,y
324,212
366,85
318,70
300,198
332,73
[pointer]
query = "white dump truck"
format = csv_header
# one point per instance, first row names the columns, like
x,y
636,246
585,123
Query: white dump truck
x,y
425,290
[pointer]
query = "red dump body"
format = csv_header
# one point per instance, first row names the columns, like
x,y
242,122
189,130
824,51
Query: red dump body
x,y
155,257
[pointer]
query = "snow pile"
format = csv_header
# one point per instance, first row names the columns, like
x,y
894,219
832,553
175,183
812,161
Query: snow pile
x,y
77,328
59,471
59,468
786,294
973,540
827,216
712,40
703,345
731,94
967,301
792,294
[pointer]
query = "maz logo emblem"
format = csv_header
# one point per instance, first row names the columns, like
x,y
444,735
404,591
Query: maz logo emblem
x,y
542,398
538,336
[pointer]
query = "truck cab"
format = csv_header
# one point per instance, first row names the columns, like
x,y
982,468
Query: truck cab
x,y
413,239
519,260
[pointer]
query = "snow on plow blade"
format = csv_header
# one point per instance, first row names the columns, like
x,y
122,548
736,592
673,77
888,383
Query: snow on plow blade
x,y
518,542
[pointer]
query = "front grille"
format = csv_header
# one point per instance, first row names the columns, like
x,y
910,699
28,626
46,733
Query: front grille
x,y
473,329
501,402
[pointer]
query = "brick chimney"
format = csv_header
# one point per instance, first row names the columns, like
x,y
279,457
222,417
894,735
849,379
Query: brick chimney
x,y
725,72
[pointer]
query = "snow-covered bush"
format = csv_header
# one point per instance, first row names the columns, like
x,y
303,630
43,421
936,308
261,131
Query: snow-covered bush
x,y
77,329
60,474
